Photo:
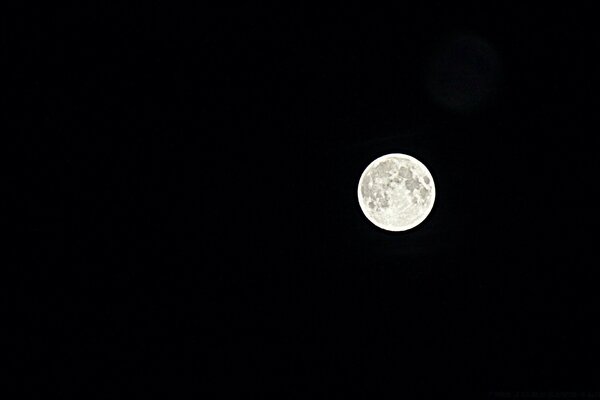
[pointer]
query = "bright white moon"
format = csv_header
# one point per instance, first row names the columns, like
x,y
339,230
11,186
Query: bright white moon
x,y
396,192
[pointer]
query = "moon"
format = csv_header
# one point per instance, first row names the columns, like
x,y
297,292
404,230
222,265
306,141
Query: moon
x,y
396,192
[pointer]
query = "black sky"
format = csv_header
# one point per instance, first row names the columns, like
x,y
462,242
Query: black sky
x,y
186,186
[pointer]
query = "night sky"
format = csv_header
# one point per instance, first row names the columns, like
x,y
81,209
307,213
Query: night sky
x,y
186,199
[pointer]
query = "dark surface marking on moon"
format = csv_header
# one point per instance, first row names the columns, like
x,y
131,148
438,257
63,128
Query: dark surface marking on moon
x,y
412,184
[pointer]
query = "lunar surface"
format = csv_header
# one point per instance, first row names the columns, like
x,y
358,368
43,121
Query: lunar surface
x,y
396,192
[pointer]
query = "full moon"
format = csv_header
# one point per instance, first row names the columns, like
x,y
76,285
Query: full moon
x,y
396,192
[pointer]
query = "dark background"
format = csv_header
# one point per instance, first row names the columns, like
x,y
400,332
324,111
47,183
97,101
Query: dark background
x,y
186,192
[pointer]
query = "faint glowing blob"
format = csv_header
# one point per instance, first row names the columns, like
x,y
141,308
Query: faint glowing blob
x,y
463,73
